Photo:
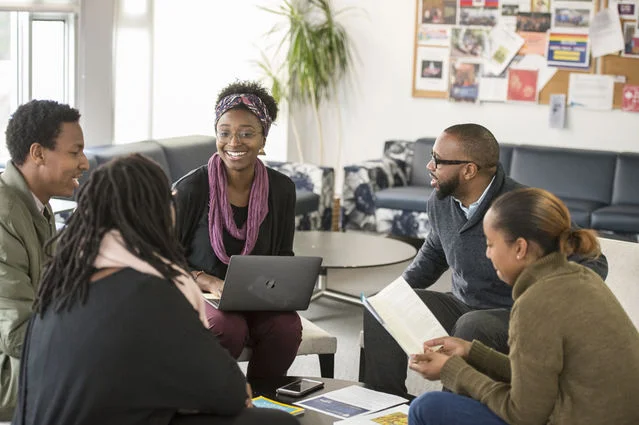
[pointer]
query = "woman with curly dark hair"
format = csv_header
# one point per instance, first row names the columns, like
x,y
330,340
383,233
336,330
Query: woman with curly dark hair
x,y
235,205
118,334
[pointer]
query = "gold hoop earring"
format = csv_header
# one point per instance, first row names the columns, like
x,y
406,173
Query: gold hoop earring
x,y
261,151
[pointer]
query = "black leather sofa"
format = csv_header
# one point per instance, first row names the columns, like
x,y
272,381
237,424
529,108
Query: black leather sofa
x,y
179,155
600,188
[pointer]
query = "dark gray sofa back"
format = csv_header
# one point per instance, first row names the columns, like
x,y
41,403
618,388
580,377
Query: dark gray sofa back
x,y
568,173
149,148
626,186
419,173
184,154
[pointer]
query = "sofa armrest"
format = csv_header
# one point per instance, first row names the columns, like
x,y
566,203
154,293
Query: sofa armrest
x,y
361,182
313,178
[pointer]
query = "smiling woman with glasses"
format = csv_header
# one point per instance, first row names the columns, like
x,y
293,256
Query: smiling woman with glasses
x,y
234,205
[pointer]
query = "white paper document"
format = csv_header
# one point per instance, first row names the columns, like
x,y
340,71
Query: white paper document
x,y
351,401
397,415
403,314
504,45
605,33
591,91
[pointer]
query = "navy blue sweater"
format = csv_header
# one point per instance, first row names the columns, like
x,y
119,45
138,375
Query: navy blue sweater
x,y
460,244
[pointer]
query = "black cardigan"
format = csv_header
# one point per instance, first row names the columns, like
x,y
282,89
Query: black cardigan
x,y
275,235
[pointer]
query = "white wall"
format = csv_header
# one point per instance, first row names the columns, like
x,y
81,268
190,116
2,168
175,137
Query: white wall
x,y
381,107
200,47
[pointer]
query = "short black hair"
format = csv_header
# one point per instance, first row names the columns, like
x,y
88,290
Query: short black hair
x,y
478,143
250,87
38,121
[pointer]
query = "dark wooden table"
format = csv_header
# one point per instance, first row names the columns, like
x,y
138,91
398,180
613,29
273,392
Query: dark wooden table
x,y
267,387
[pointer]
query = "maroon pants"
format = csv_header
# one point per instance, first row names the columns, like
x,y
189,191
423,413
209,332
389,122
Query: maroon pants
x,y
273,336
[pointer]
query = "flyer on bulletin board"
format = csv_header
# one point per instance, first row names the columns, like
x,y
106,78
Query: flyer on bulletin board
x,y
568,50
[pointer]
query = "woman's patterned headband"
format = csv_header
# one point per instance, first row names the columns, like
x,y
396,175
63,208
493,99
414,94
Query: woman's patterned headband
x,y
252,102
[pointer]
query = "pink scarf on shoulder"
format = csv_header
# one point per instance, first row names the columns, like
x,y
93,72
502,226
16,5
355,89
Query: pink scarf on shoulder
x,y
221,213
113,253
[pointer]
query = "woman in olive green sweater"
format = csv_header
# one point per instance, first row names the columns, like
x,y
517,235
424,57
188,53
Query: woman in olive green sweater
x,y
574,353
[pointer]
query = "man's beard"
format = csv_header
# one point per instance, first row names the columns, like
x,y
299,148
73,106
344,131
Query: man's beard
x,y
447,188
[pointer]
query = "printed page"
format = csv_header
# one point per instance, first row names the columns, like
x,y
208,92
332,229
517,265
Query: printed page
x,y
397,415
406,317
351,401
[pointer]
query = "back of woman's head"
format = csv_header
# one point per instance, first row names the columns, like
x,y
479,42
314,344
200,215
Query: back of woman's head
x,y
539,216
129,194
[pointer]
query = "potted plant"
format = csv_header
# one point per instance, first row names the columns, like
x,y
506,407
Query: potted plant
x,y
319,56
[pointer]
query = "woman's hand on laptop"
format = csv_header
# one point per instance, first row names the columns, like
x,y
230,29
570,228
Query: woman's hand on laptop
x,y
211,284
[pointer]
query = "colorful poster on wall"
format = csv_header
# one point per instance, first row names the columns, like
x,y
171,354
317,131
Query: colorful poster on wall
x,y
432,69
433,35
630,98
438,12
522,85
464,81
568,50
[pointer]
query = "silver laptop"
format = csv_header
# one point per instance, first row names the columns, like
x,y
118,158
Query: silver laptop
x,y
268,283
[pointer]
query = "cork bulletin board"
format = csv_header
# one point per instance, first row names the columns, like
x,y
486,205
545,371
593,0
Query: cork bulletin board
x,y
449,15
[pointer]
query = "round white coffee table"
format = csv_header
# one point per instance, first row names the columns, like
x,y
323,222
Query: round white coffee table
x,y
346,250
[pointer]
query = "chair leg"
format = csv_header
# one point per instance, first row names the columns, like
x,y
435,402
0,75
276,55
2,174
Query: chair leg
x,y
362,365
327,365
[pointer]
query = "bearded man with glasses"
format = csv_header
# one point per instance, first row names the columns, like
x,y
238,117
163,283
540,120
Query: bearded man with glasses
x,y
467,177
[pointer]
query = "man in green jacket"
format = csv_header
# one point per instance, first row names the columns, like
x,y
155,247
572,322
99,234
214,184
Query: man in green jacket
x,y
46,145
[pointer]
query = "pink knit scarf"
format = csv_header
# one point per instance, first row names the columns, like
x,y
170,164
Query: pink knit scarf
x,y
221,213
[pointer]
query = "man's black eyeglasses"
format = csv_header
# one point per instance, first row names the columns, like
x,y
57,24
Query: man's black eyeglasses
x,y
438,161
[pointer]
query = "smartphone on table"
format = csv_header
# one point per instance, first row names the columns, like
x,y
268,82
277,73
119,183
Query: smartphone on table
x,y
300,387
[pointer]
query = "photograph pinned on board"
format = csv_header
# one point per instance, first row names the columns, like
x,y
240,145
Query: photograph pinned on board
x,y
464,81
438,12
627,8
533,22
522,85
509,9
540,6
478,16
468,42
432,69
571,18
630,40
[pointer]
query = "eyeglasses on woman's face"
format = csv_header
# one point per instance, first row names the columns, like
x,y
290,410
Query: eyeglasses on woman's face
x,y
226,136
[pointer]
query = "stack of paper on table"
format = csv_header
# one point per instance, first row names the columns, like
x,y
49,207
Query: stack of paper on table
x,y
403,314
394,416
351,402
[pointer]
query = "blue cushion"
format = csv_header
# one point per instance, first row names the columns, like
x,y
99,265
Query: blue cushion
x,y
618,218
408,198
571,173
307,202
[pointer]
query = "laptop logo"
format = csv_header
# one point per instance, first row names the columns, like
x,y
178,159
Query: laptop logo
x,y
270,283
